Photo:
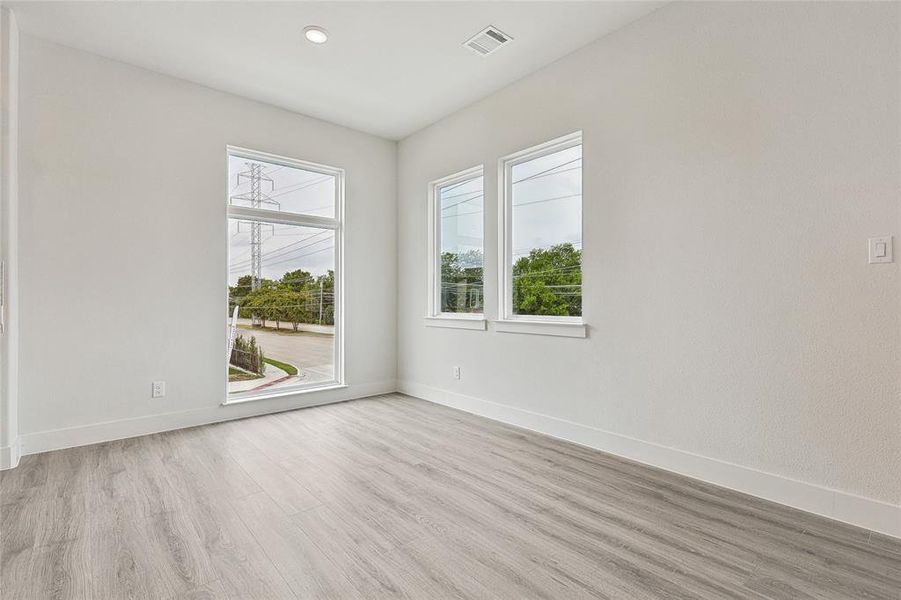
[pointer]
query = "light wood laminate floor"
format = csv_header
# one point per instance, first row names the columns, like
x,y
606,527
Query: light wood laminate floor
x,y
393,497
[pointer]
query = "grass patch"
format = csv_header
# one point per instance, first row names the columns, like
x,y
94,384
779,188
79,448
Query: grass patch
x,y
289,369
239,375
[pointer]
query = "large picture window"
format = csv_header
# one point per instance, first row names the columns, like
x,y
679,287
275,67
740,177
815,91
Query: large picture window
x,y
457,246
541,222
284,279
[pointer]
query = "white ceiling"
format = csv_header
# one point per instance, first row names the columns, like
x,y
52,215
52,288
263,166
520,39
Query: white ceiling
x,y
389,68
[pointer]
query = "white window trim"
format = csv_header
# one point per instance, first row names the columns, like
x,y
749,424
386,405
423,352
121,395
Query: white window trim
x,y
434,316
554,328
458,321
336,224
507,321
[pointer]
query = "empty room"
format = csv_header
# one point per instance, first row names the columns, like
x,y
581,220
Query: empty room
x,y
450,300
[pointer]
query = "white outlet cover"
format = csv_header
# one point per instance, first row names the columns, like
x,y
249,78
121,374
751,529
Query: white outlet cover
x,y
879,249
158,389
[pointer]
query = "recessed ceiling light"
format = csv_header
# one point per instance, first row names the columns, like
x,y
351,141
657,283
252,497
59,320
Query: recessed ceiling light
x,y
316,34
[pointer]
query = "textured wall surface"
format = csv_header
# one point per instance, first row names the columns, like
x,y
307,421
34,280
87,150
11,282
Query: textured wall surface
x,y
737,157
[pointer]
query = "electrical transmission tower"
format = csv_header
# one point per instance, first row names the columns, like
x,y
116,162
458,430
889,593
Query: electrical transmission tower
x,y
256,198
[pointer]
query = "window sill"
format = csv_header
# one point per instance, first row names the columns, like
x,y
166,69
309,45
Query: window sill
x,y
282,393
477,323
555,328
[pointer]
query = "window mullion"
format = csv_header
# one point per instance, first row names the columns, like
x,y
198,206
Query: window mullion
x,y
269,216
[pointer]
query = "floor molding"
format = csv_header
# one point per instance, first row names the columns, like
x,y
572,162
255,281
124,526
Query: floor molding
x,y
9,455
834,504
57,439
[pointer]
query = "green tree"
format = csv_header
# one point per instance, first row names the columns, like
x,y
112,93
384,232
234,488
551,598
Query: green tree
x,y
279,303
297,280
238,292
263,303
295,307
548,282
247,355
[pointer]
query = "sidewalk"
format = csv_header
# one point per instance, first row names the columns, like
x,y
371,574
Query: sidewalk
x,y
286,327
271,375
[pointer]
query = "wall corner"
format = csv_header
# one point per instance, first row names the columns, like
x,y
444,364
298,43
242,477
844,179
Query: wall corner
x,y
9,201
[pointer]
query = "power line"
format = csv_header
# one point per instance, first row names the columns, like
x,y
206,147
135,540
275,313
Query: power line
x,y
310,279
480,195
301,186
530,202
284,249
301,256
549,199
558,270
540,174
281,251
456,185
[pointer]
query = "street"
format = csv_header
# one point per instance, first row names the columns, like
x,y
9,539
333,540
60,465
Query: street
x,y
311,353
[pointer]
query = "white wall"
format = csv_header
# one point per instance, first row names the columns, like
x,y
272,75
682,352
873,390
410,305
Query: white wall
x,y
737,157
123,238
9,339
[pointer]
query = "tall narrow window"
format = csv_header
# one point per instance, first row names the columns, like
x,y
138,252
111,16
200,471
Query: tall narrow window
x,y
284,279
541,217
457,256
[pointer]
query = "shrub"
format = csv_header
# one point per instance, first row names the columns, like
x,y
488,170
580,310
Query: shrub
x,y
247,355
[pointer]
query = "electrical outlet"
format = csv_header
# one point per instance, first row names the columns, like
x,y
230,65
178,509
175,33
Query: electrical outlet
x,y
158,389
456,372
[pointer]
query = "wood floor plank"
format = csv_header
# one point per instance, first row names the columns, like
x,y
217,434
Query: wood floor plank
x,y
289,493
308,572
392,497
241,565
868,570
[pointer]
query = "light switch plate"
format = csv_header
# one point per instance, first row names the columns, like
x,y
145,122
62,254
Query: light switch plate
x,y
880,249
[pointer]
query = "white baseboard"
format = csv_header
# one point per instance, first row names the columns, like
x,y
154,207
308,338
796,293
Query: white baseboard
x,y
57,439
834,504
9,455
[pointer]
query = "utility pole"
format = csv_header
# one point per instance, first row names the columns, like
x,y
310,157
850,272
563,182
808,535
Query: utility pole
x,y
320,302
256,240
256,198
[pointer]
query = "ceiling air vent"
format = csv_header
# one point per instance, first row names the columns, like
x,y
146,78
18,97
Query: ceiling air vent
x,y
487,41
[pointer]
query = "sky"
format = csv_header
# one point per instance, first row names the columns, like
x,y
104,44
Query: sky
x,y
547,206
462,211
547,201
547,210
285,247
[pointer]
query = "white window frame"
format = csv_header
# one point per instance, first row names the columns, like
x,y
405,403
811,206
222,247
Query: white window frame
x,y
434,316
507,321
335,223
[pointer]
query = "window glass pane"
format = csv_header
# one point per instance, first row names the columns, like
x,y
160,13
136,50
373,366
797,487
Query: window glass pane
x,y
547,234
257,184
282,279
461,210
